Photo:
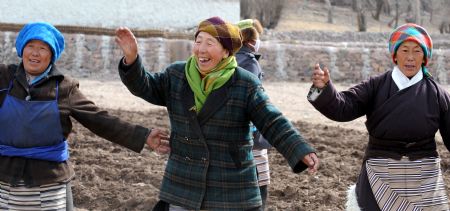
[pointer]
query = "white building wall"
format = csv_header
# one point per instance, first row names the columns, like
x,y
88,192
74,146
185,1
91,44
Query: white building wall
x,y
138,14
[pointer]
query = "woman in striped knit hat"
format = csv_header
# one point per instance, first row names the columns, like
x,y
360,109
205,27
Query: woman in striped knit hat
x,y
211,102
404,108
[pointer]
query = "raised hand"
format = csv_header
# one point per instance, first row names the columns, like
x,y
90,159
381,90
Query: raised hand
x,y
128,43
320,77
312,162
158,140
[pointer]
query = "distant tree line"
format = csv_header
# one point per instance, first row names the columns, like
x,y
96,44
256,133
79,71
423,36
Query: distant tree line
x,y
412,11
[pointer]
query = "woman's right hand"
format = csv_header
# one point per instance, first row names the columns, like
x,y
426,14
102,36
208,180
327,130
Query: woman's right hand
x,y
320,78
128,43
158,140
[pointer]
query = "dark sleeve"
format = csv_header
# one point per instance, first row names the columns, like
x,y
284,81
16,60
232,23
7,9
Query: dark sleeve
x,y
346,105
278,130
101,123
148,86
444,124
6,74
252,66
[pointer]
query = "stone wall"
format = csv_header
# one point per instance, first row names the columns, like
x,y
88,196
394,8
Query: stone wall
x,y
96,57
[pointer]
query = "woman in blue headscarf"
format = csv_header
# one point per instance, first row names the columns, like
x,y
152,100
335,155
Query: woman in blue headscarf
x,y
404,108
36,103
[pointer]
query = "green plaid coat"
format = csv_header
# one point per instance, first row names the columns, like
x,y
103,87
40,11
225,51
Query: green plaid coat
x,y
201,172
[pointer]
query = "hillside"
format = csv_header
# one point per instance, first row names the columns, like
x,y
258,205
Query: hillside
x,y
306,15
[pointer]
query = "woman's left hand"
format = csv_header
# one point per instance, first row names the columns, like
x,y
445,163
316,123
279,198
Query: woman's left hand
x,y
158,140
312,162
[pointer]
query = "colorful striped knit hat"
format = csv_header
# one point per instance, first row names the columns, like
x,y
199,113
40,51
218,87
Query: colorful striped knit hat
x,y
411,32
228,34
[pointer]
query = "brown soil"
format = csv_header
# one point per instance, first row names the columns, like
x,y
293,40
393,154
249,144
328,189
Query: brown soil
x,y
109,177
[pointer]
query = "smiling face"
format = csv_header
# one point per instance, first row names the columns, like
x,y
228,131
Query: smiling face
x,y
36,57
208,52
410,58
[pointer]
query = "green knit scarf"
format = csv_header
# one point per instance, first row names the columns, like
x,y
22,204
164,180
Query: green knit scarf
x,y
212,81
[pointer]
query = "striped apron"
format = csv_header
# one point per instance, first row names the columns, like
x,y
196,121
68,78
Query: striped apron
x,y
407,185
44,197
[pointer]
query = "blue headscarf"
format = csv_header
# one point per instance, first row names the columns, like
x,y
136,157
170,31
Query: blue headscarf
x,y
44,32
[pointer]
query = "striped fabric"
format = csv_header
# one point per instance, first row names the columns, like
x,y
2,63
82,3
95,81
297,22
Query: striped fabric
x,y
45,197
407,185
261,160
415,33
411,32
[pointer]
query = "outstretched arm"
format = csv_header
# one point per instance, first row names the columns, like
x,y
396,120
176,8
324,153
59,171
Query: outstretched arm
x,y
128,43
339,106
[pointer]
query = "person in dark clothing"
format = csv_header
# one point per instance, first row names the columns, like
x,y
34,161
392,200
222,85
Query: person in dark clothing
x,y
247,58
404,108
36,104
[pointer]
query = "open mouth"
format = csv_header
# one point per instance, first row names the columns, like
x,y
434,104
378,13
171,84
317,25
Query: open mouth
x,y
204,60
34,61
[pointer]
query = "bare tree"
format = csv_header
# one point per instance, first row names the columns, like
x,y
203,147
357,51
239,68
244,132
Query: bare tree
x,y
268,12
417,10
440,15
397,13
387,7
360,15
354,5
429,6
413,12
330,11
379,7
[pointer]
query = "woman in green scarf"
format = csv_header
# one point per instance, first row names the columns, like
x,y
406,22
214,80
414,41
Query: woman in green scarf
x,y
211,103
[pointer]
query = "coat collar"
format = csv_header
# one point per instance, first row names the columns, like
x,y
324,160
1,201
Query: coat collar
x,y
22,79
215,100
